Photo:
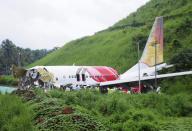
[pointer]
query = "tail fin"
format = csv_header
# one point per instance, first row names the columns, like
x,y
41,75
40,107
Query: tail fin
x,y
155,37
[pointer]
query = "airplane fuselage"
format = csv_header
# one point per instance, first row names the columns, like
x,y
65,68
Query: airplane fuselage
x,y
80,75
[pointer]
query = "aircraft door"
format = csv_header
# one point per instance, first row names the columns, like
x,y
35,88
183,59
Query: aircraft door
x,y
78,75
83,74
83,77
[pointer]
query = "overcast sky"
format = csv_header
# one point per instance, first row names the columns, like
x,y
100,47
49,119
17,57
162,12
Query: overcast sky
x,y
46,24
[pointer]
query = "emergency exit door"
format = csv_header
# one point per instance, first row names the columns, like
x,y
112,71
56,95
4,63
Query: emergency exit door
x,y
78,74
83,74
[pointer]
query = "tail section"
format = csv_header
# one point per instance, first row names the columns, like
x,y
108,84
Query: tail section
x,y
155,38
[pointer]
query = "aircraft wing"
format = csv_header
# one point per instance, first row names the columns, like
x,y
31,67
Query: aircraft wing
x,y
121,81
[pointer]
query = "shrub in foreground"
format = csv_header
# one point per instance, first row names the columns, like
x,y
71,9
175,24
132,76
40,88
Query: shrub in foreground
x,y
89,109
14,115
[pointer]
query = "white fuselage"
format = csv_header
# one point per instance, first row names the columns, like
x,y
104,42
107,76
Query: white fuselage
x,y
81,75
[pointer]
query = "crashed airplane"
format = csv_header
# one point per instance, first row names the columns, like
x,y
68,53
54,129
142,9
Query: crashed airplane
x,y
150,62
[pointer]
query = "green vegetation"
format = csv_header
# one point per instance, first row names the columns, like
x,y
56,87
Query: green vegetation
x,y
8,80
91,110
11,54
14,115
182,84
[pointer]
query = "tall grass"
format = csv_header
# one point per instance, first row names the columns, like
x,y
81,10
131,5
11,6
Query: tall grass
x,y
14,115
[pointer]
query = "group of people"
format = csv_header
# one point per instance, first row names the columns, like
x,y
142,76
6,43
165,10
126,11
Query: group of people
x,y
104,90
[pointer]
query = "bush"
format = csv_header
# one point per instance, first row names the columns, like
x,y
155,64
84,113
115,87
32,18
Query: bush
x,y
113,111
182,84
131,125
135,119
55,93
14,115
75,121
182,60
8,80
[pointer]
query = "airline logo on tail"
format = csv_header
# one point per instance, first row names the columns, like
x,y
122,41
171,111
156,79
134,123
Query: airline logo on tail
x,y
155,39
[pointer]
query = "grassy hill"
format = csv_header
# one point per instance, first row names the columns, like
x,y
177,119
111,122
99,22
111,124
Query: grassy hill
x,y
116,46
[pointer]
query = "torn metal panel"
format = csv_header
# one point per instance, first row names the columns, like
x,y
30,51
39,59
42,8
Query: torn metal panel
x,y
31,76
18,72
45,75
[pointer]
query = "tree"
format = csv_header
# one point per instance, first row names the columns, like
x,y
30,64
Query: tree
x,y
141,39
8,55
182,60
11,54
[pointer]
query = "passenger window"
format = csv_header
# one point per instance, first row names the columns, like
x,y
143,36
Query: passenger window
x,y
56,78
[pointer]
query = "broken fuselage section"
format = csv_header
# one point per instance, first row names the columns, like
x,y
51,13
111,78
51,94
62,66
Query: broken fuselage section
x,y
32,78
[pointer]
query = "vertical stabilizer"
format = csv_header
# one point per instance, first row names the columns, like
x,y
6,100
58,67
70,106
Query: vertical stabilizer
x,y
155,37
